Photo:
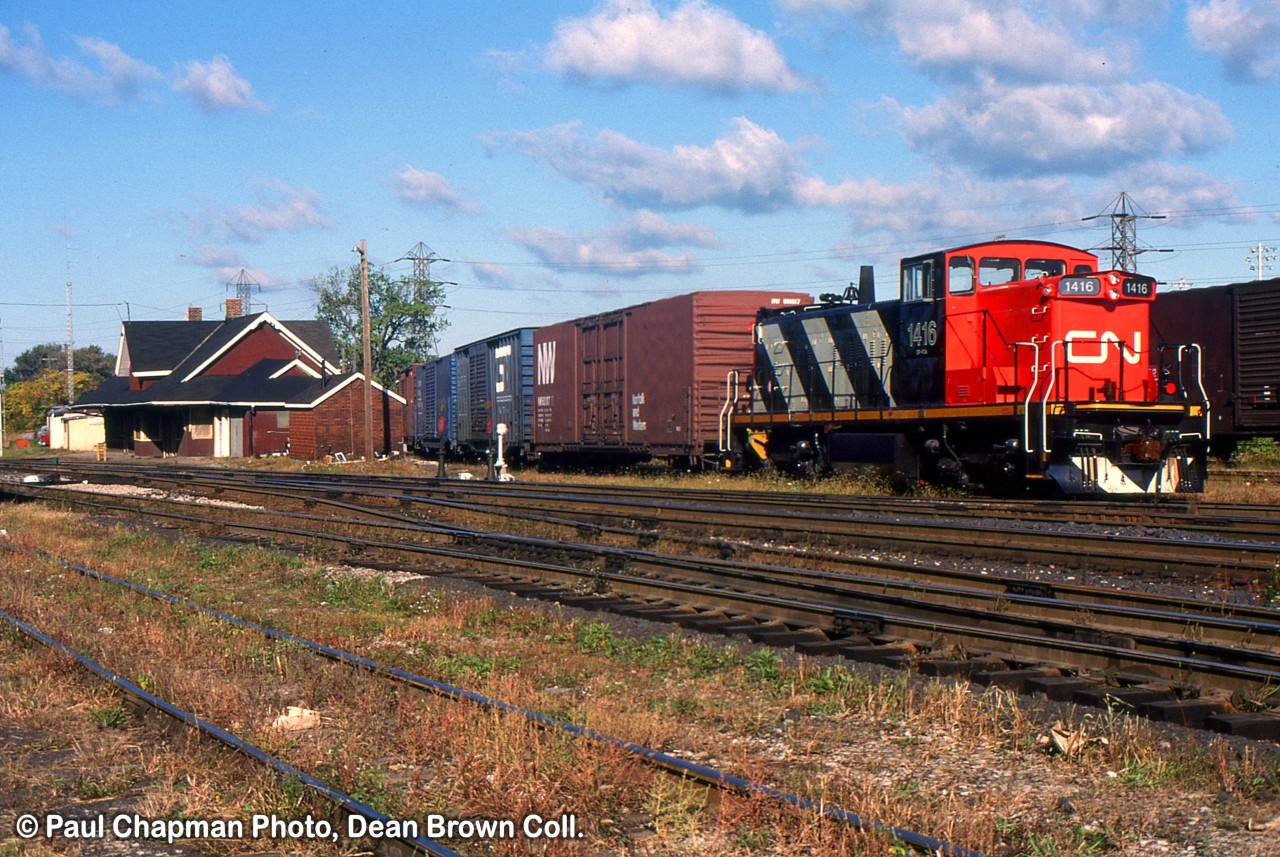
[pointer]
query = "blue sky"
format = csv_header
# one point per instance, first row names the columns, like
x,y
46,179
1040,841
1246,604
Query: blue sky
x,y
572,157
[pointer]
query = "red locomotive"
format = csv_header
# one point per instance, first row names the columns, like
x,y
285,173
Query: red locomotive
x,y
1000,363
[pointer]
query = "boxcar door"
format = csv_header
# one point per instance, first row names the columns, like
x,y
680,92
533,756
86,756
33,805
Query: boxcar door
x,y
602,381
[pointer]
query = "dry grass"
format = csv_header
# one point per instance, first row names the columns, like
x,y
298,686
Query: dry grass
x,y
931,756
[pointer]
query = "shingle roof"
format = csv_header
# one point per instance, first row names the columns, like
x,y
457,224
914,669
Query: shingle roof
x,y
155,346
181,348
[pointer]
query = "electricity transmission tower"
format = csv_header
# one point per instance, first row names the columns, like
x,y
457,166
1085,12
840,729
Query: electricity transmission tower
x,y
422,256
1124,216
244,285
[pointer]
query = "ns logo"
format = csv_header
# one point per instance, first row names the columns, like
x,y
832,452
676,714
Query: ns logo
x,y
1097,347
546,364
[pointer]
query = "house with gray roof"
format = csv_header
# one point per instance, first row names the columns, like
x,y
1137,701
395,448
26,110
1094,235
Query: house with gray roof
x,y
245,386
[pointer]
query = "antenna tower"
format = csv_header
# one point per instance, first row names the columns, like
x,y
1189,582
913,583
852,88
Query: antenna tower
x,y
244,284
1124,215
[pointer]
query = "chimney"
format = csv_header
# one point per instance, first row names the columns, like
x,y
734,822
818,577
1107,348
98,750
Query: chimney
x,y
234,308
194,313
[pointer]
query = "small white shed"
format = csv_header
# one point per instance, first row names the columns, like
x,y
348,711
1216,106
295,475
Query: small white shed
x,y
75,431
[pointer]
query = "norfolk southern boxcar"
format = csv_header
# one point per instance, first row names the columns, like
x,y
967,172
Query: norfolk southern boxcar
x,y
1000,364
1238,328
645,381
494,386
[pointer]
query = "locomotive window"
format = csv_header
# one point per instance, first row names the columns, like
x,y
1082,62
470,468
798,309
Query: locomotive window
x,y
1082,269
995,271
960,275
1044,268
917,282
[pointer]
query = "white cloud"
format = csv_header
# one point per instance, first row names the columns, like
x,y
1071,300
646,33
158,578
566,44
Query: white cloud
x,y
642,246
1245,36
695,44
215,86
749,168
1007,39
279,208
117,78
492,274
1184,195
422,187
1065,128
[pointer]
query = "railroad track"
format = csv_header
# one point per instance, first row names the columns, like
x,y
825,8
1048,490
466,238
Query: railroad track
x,y
1180,512
665,762
1181,550
1184,661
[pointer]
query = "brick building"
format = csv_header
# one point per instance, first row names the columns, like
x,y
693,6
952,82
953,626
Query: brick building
x,y
248,385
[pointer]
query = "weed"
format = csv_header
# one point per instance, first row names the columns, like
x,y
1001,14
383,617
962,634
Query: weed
x,y
762,665
675,805
753,838
111,716
595,638
347,592
453,667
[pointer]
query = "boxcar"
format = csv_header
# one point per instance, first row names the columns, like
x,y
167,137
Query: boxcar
x,y
494,384
428,389
645,381
1238,328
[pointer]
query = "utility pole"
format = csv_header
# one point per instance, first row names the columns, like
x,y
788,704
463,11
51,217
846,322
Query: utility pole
x,y
1124,233
368,349
1259,257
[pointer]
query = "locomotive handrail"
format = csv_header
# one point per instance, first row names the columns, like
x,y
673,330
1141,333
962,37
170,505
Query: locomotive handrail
x,y
724,426
1035,382
1048,391
1204,397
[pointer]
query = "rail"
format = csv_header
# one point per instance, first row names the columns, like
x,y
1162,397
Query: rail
x,y
417,844
672,764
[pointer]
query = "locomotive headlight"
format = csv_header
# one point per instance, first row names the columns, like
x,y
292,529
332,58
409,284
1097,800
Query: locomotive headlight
x,y
1113,294
1047,290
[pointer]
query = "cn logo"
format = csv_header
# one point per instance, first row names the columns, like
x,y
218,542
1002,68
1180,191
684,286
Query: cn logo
x,y
546,362
1102,343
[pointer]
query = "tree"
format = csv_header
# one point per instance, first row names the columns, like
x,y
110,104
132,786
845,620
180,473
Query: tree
x,y
27,402
41,358
404,318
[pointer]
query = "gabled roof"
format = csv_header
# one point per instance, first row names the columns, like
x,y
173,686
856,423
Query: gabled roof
x,y
221,341
150,347
155,350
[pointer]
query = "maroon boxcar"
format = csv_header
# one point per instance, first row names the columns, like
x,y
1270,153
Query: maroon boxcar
x,y
648,380
1237,327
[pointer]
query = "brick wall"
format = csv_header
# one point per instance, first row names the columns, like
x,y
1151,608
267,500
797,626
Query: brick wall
x,y
337,425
